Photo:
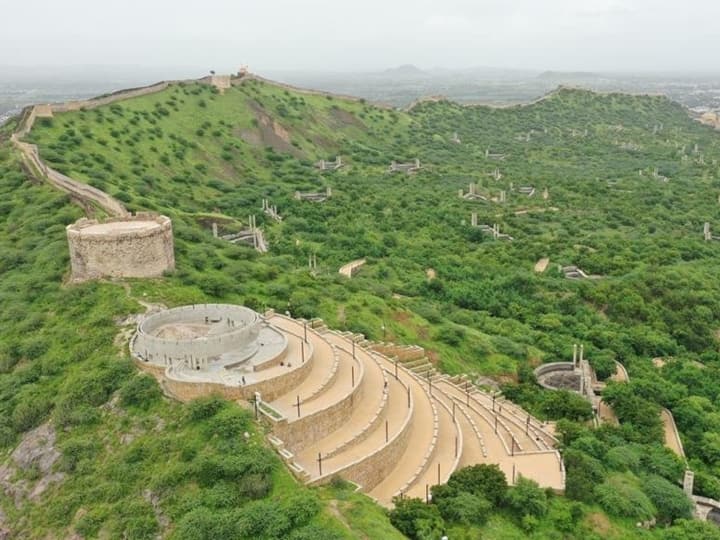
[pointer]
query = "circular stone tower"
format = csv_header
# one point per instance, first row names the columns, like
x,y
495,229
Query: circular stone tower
x,y
131,246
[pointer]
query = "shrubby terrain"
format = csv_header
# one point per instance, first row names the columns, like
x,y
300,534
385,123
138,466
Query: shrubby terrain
x,y
128,462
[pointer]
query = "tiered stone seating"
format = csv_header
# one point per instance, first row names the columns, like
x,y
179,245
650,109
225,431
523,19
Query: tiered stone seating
x,y
401,427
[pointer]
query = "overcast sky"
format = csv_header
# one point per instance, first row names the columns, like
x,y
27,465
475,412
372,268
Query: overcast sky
x,y
626,35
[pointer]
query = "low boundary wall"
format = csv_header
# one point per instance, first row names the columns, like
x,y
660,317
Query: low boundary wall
x,y
368,471
302,432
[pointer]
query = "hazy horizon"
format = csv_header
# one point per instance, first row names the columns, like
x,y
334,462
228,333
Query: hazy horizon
x,y
641,36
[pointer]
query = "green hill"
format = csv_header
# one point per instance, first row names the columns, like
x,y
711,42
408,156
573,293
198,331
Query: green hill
x,y
131,463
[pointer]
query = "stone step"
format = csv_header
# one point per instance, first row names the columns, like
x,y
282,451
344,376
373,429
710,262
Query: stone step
x,y
299,472
423,369
412,364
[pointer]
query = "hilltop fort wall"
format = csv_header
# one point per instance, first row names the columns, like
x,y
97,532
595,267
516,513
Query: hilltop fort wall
x,y
132,246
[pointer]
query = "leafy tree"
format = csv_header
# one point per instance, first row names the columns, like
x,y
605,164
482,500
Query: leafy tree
x,y
484,480
414,518
526,498
583,473
621,496
140,391
464,508
670,501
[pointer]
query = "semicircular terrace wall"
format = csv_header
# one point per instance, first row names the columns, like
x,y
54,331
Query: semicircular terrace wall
x,y
159,350
546,371
137,253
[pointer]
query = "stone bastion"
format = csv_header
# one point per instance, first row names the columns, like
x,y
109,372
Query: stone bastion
x,y
138,246
207,342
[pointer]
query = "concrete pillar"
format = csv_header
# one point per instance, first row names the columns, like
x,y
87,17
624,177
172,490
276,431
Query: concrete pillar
x,y
215,230
582,352
473,219
688,482
575,350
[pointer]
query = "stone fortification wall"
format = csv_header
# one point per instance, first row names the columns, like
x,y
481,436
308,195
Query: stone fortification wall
x,y
308,91
142,252
160,350
80,190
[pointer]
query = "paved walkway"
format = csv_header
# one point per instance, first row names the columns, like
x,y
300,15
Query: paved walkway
x,y
444,455
323,360
419,443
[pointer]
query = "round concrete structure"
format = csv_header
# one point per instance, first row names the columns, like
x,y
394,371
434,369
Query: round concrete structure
x,y
132,246
559,376
197,334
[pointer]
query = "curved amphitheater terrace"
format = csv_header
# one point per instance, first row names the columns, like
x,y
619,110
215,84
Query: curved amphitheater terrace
x,y
375,414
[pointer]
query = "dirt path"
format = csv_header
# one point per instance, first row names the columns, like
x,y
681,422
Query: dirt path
x,y
418,444
672,437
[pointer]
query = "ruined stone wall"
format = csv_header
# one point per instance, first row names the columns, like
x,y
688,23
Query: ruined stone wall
x,y
141,253
221,82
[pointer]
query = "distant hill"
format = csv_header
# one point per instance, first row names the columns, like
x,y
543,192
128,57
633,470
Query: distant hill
x,y
406,71
569,75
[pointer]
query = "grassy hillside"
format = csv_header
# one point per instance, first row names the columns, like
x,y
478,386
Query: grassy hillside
x,y
134,462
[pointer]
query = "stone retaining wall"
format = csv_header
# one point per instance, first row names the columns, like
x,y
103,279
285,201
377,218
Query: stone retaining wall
x,y
372,469
302,432
269,389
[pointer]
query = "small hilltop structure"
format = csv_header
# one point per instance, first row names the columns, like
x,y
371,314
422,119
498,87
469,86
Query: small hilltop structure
x,y
495,156
319,196
409,167
252,235
330,165
707,233
271,210
493,230
472,194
